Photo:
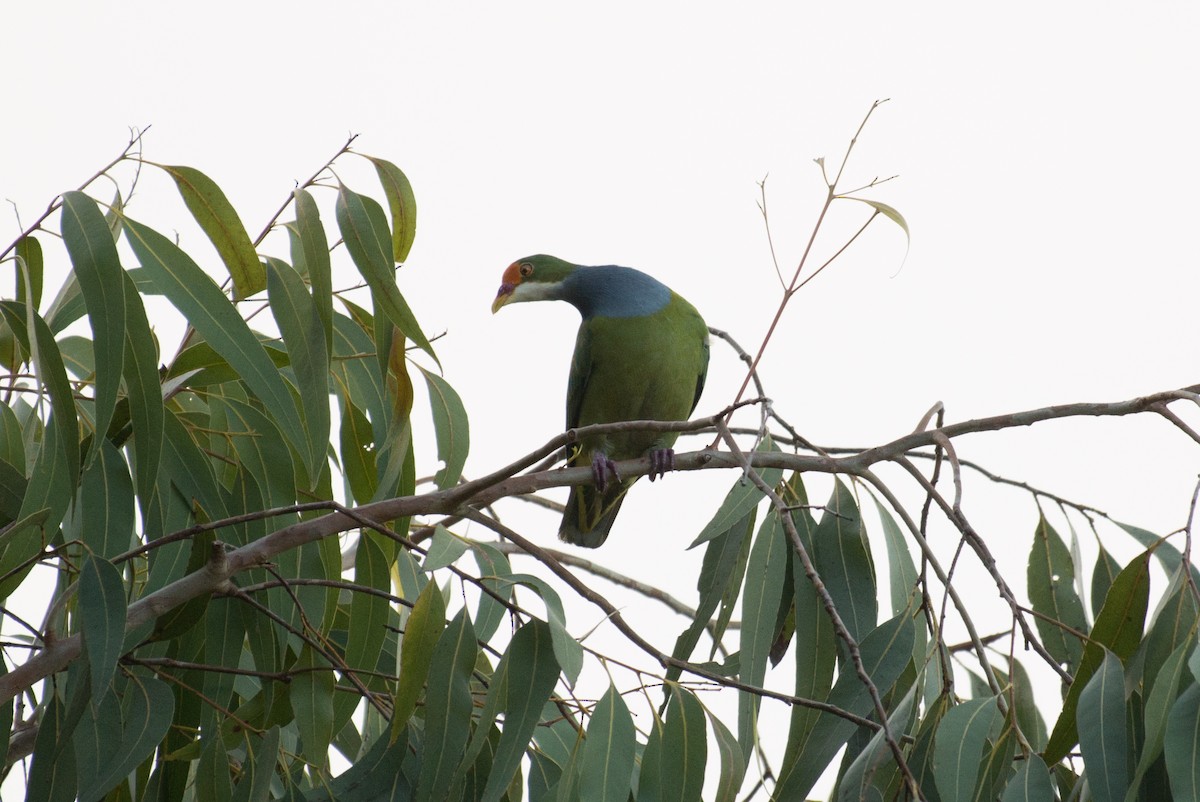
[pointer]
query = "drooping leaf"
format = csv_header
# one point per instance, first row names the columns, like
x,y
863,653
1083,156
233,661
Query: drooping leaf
x,y
1051,583
365,232
733,765
102,609
863,778
224,228
424,629
739,501
1103,730
402,204
684,748
1103,574
450,427
98,268
608,752
844,562
313,254
204,305
1031,783
147,706
959,747
1182,745
494,567
760,601
106,504
1158,706
567,650
1119,629
300,325
444,549
887,211
311,691
368,612
447,707
143,391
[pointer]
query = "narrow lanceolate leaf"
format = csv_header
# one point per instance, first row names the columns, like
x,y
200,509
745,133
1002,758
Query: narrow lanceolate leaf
x,y
527,674
959,746
52,777
733,765
365,232
1031,783
902,573
444,549
684,748
1051,583
450,428
102,610
1168,556
368,612
567,650
608,752
1118,629
143,391
314,256
844,563
868,775
106,503
1158,706
224,228
30,265
1103,734
94,259
494,567
204,305
425,626
300,325
760,603
1182,745
311,691
147,706
886,652
741,498
1103,574
447,708
402,204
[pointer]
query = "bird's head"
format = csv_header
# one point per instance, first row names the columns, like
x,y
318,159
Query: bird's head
x,y
534,278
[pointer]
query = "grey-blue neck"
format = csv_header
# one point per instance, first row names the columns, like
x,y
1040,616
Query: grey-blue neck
x,y
613,291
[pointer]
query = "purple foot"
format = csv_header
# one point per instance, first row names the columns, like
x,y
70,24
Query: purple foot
x,y
602,466
661,461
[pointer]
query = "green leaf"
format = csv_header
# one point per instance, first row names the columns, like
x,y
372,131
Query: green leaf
x,y
959,747
224,228
312,258
212,772
733,765
743,497
105,513
52,777
684,747
886,651
301,328
863,777
357,443
365,232
1182,745
147,706
379,775
447,707
1031,783
493,567
94,258
1168,556
1103,574
1119,629
102,610
143,391
368,612
724,565
450,428
402,204
1051,583
425,626
1103,730
311,691
444,549
567,650
760,603
1158,707
255,784
204,305
608,752
844,563
526,677
902,573
29,263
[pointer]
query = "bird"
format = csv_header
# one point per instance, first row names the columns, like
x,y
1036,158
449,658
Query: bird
x,y
641,353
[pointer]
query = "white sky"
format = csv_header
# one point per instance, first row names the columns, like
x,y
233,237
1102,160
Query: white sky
x,y
1048,168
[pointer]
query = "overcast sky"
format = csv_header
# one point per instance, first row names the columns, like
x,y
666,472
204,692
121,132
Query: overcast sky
x,y
1047,159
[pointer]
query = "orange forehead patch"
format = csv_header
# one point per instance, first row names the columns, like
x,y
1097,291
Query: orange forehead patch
x,y
512,274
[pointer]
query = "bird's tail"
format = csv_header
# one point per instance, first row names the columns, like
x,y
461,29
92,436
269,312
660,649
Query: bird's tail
x,y
590,514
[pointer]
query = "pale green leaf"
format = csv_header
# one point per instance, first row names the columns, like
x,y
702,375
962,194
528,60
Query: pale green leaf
x,y
102,609
450,428
608,752
1103,738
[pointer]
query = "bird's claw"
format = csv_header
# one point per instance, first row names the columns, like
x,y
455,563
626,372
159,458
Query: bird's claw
x,y
661,461
602,466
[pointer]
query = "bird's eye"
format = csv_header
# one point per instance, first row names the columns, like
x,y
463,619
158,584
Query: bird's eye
x,y
526,269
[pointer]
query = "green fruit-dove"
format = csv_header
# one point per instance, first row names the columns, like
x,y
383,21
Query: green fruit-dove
x,y
641,354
